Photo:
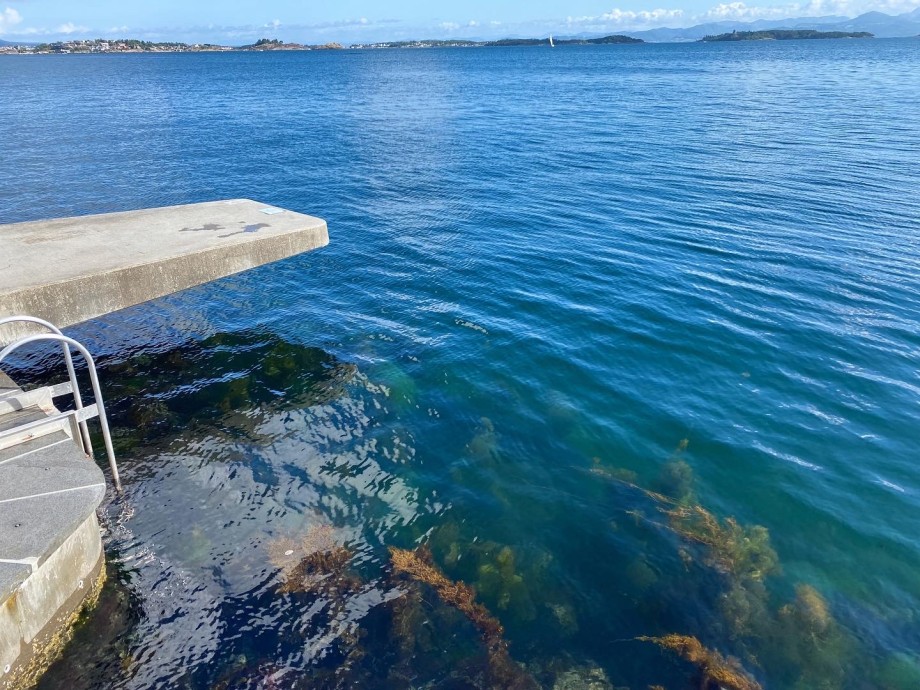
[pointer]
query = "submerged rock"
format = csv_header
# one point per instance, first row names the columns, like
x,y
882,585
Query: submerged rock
x,y
583,678
566,618
316,560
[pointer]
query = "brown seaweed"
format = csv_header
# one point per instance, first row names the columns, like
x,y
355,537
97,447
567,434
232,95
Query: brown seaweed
x,y
504,671
744,552
313,562
714,669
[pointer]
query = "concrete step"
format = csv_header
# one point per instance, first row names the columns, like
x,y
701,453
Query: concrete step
x,y
12,399
20,426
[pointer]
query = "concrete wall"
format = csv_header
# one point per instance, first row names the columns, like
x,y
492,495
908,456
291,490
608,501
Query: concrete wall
x,y
51,558
37,620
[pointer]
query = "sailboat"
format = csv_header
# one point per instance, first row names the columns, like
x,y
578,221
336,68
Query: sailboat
x,y
551,44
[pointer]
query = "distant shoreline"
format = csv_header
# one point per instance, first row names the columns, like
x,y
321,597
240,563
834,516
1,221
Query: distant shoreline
x,y
613,39
134,46
103,46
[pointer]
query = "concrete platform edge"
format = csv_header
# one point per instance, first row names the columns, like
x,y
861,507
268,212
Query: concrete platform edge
x,y
73,301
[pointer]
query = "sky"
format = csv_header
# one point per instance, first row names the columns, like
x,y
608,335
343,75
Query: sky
x,y
354,21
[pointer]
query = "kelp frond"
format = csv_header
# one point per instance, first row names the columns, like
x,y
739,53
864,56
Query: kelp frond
x,y
418,565
741,551
714,668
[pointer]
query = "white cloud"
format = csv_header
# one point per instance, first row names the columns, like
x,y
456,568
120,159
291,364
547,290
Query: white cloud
x,y
627,18
897,6
70,28
8,19
732,10
449,26
814,8
274,24
644,16
738,10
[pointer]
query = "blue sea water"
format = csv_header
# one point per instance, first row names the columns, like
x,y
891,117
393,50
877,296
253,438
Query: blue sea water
x,y
558,280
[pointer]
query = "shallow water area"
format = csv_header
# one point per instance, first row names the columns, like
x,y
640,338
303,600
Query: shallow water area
x,y
624,338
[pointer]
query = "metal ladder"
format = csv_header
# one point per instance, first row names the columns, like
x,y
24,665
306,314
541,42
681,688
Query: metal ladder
x,y
41,399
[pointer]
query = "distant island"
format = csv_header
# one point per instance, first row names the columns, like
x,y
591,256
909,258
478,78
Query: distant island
x,y
783,35
505,42
131,45
275,44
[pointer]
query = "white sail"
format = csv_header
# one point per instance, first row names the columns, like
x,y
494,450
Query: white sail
x,y
551,44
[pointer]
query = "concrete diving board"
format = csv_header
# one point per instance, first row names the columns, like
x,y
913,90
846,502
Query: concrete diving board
x,y
72,269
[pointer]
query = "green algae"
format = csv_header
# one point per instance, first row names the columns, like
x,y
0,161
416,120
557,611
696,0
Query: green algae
x,y
154,395
484,446
397,385
504,578
733,570
675,478
111,625
500,582
640,574
899,672
807,645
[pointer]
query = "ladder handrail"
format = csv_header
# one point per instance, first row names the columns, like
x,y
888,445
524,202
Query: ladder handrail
x,y
94,380
68,359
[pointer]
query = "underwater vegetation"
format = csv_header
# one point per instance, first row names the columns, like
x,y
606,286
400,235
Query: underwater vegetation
x,y
500,581
314,562
215,382
796,644
504,671
509,579
483,447
742,552
395,383
107,626
317,566
715,670
676,477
